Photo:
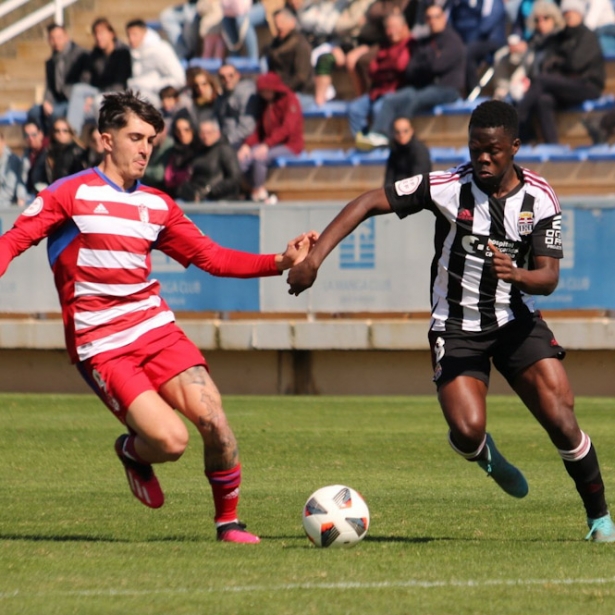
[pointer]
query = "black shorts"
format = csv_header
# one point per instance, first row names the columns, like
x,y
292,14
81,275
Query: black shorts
x,y
512,348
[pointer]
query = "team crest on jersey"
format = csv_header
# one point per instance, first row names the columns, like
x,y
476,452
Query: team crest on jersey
x,y
34,208
143,213
408,185
526,223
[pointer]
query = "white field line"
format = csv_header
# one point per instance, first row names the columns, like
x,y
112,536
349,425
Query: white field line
x,y
411,583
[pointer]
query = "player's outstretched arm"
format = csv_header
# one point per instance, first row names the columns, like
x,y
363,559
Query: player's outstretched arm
x,y
372,203
542,280
296,250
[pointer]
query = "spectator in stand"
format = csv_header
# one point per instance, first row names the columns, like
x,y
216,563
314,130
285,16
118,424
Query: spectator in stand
x,y
482,27
238,32
210,28
108,69
169,103
435,75
409,156
289,55
600,17
216,175
317,20
62,70
237,106
520,21
180,24
12,190
517,63
371,35
571,72
33,161
203,89
185,146
386,75
93,146
154,62
161,151
64,155
279,132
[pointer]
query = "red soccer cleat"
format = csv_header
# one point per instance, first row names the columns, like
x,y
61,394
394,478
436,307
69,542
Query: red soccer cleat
x,y
236,532
141,478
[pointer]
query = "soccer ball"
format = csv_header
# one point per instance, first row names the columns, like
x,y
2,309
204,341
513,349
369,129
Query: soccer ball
x,y
335,516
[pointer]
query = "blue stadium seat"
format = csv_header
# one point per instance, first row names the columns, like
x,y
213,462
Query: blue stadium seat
x,y
448,155
375,157
604,103
333,108
601,153
330,157
302,160
460,106
243,65
13,117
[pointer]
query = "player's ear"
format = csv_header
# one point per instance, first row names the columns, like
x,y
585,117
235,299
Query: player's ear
x,y
516,144
107,140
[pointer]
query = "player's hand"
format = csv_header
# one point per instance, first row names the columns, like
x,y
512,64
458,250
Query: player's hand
x,y
296,250
301,277
502,265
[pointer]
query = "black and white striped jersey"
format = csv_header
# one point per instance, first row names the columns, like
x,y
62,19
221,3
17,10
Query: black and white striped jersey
x,y
465,294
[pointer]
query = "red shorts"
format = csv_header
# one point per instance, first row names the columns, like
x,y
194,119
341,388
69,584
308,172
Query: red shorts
x,y
119,376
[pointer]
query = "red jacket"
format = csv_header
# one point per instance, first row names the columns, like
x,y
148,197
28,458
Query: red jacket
x,y
281,121
386,70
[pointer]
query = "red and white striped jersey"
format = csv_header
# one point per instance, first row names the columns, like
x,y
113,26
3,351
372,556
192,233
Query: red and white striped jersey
x,y
100,238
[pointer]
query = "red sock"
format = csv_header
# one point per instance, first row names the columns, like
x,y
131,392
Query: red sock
x,y
225,489
128,448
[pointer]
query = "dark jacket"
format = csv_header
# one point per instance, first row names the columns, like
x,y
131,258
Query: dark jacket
x,y
291,58
62,71
215,175
576,52
281,122
407,160
466,17
63,160
439,59
109,73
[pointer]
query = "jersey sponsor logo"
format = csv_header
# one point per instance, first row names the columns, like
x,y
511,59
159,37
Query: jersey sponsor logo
x,y
525,224
475,245
408,185
34,208
100,209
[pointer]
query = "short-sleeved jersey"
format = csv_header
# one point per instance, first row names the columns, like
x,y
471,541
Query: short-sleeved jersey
x,y
465,293
99,242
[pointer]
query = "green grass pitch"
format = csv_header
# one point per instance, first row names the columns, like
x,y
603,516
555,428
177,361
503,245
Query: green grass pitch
x,y
443,538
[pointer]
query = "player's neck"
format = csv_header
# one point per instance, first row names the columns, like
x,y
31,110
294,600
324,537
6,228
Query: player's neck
x,y
111,172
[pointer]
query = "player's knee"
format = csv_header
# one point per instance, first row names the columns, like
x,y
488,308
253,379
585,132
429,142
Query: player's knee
x,y
174,443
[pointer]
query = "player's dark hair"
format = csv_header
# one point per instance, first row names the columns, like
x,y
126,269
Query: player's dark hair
x,y
136,23
496,114
116,107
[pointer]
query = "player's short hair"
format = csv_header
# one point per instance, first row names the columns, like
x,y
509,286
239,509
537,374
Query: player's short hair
x,y
136,23
496,114
116,107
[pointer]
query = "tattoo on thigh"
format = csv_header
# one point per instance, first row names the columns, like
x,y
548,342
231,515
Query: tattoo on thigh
x,y
194,375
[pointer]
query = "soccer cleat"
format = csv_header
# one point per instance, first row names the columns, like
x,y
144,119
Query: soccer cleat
x,y
236,532
601,529
509,478
141,478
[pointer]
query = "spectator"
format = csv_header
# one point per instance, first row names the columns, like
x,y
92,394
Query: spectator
x,y
203,93
12,190
185,145
33,161
237,106
434,75
64,155
161,151
210,28
180,23
62,70
154,63
170,102
601,129
216,175
93,146
289,55
516,64
482,27
237,29
279,132
409,156
107,69
600,17
572,71
386,74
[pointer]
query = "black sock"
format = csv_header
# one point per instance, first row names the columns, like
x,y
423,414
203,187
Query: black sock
x,y
586,475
